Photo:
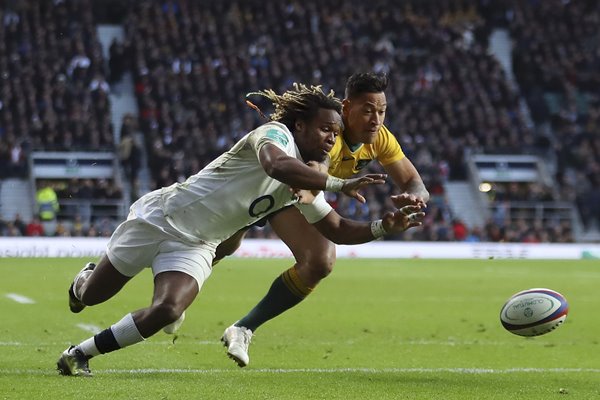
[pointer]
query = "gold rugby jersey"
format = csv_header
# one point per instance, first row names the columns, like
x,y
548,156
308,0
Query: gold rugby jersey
x,y
344,162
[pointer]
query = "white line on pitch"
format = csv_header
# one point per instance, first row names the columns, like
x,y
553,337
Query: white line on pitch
x,y
94,329
363,370
19,298
89,328
464,371
150,343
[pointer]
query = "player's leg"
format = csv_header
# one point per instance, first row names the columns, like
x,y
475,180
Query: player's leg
x,y
315,256
179,270
174,291
130,249
95,284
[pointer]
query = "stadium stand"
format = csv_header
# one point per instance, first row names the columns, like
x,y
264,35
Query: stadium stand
x,y
450,99
54,100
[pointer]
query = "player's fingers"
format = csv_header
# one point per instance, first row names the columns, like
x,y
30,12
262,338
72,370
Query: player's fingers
x,y
359,197
410,209
415,217
366,182
413,224
372,181
376,176
404,200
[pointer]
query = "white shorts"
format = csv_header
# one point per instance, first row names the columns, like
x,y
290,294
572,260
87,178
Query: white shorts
x,y
146,239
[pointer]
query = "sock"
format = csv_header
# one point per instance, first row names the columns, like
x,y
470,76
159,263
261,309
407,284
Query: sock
x,y
286,291
88,347
122,334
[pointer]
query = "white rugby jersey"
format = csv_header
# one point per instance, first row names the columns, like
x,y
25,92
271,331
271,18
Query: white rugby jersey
x,y
234,191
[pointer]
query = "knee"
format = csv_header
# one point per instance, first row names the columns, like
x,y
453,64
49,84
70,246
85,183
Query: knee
x,y
166,312
316,266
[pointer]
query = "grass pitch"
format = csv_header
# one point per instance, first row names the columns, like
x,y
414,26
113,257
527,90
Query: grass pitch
x,y
375,329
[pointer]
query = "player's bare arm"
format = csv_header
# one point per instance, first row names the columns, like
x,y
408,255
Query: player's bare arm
x,y
308,196
296,174
341,230
405,175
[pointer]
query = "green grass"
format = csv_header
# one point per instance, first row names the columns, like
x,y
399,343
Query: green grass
x,y
375,329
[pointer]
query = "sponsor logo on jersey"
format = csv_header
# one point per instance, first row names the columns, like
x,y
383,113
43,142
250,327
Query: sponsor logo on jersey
x,y
277,136
261,205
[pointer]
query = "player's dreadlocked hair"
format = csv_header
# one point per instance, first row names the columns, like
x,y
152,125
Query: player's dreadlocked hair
x,y
365,82
300,103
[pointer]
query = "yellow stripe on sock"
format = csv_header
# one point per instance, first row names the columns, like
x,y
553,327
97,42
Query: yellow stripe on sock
x,y
294,283
290,285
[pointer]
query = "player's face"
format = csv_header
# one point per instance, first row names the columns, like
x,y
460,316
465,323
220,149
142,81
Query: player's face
x,y
363,116
315,138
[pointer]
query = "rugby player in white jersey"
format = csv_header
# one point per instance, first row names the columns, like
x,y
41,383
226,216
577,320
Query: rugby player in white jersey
x,y
175,230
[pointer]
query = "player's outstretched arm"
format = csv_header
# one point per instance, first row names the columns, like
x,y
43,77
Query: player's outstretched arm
x,y
342,230
405,175
296,174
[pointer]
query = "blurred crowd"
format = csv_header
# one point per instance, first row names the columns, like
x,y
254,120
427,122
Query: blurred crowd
x,y
557,64
193,62
54,95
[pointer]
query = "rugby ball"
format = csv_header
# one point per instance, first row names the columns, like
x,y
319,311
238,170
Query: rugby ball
x,y
534,312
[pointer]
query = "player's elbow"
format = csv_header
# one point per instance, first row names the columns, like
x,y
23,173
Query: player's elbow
x,y
276,171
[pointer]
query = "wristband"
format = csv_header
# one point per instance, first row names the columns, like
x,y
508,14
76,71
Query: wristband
x,y
334,184
377,229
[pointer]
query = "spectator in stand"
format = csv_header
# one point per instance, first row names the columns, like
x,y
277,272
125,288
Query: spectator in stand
x,y
78,229
129,151
19,224
61,230
118,60
51,55
459,230
12,230
34,228
47,202
3,227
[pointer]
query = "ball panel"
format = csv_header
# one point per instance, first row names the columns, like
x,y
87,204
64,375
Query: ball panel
x,y
539,329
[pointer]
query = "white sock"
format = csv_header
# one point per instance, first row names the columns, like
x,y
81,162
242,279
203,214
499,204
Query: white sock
x,y
125,332
88,347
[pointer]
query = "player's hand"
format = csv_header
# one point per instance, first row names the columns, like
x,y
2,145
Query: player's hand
x,y
308,196
407,199
351,186
304,196
403,219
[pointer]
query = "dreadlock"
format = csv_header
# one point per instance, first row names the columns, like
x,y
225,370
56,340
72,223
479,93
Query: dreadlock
x,y
300,103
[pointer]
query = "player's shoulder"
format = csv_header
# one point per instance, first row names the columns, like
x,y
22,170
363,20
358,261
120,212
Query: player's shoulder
x,y
274,125
275,131
386,137
384,131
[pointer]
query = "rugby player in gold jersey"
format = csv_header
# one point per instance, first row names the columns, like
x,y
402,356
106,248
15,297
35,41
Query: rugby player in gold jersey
x,y
363,140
